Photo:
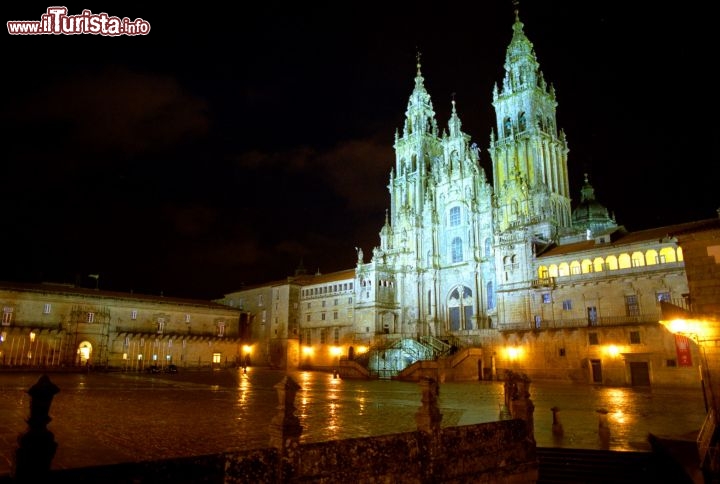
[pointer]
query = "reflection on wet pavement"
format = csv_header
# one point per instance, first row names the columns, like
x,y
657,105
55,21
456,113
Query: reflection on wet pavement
x,y
105,418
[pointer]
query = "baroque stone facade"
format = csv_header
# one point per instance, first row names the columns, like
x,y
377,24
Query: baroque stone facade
x,y
62,326
509,266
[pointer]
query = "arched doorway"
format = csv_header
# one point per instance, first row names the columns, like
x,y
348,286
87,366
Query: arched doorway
x,y
84,352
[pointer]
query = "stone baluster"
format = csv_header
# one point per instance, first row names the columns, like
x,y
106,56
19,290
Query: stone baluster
x,y
37,445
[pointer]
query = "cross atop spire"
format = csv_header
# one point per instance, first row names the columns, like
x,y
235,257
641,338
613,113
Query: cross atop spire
x,y
516,8
417,57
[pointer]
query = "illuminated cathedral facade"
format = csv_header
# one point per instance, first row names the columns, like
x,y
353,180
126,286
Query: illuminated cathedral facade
x,y
487,274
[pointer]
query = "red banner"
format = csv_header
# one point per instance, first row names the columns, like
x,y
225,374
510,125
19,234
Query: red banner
x,y
682,345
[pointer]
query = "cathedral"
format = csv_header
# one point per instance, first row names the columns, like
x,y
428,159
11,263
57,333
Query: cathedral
x,y
474,274
487,272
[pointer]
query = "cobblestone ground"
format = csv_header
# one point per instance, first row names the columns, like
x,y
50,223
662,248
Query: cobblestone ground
x,y
105,418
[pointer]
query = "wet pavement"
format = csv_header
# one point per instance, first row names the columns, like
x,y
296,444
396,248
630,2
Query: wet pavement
x,y
107,418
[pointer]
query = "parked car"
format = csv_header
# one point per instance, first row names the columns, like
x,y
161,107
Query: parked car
x,y
171,369
153,369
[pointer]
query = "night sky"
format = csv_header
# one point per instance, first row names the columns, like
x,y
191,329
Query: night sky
x,y
233,141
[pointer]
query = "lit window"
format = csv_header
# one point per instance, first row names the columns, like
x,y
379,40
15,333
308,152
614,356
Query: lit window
x,y
546,298
160,325
260,300
456,254
663,296
217,357
632,306
221,328
90,317
46,309
263,316
7,316
133,314
454,216
567,305
187,318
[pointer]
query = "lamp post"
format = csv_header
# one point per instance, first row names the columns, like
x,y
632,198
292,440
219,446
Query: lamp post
x,y
704,331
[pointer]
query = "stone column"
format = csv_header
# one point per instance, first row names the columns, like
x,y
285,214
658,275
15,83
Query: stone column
x,y
285,428
37,445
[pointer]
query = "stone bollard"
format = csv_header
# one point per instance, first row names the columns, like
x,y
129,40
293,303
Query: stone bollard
x,y
603,428
428,419
517,399
37,445
285,428
557,428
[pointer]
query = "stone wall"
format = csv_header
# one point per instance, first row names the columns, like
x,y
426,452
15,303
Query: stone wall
x,y
495,452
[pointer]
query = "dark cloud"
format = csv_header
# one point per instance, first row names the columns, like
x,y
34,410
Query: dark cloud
x,y
114,111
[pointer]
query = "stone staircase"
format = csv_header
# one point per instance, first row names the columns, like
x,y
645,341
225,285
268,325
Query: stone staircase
x,y
584,466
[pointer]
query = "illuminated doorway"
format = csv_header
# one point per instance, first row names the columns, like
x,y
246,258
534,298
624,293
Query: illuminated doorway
x,y
84,352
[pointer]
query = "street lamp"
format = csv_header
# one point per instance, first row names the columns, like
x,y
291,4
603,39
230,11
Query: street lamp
x,y
705,332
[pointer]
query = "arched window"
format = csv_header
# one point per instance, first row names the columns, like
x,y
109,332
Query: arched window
x,y
563,269
487,248
460,306
598,264
454,216
667,254
457,255
612,263
624,261
587,266
507,124
490,296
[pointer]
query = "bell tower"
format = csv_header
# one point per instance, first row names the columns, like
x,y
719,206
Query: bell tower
x,y
528,151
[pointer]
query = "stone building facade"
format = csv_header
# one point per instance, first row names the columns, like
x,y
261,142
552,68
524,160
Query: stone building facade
x,y
55,325
510,266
